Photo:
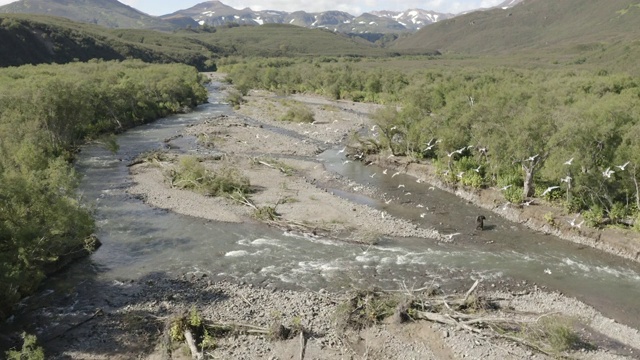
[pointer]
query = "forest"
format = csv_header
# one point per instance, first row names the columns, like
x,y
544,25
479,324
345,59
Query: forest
x,y
46,113
568,135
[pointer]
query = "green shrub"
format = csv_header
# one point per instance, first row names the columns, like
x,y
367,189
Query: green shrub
x,y
30,350
514,194
235,98
192,175
300,113
594,216
472,179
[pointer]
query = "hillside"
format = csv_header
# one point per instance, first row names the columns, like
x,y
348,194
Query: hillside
x,y
35,39
533,25
107,13
287,40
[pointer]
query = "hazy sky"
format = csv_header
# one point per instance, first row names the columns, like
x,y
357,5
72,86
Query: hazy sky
x,y
162,7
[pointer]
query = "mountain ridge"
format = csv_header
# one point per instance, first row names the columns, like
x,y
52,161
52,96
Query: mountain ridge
x,y
114,14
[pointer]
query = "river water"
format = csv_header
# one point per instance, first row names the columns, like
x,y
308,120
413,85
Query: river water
x,y
138,239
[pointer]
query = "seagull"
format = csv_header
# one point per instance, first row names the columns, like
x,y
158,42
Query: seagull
x,y
451,153
432,187
550,188
387,202
566,179
423,215
385,171
505,187
621,167
395,174
394,127
390,156
429,147
573,223
459,175
459,151
418,181
450,236
400,186
532,158
359,156
407,193
477,169
372,175
373,128
346,162
527,203
420,205
343,149
568,162
547,271
607,173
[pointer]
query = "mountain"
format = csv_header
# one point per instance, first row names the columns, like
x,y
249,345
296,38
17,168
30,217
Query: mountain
x,y
215,13
108,13
413,19
533,25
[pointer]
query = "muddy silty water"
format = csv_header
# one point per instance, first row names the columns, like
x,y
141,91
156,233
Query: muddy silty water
x,y
138,239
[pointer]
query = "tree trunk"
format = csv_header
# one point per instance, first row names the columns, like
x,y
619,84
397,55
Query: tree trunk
x,y
529,190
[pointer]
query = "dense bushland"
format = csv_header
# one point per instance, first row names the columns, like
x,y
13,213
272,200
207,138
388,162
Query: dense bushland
x,y
46,111
566,136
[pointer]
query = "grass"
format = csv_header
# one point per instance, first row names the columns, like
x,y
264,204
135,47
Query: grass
x,y
299,113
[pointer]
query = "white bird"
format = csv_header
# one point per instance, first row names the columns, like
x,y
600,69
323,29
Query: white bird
x,y
459,175
390,156
432,187
573,223
385,171
477,169
420,205
451,153
505,187
547,271
550,188
407,193
532,158
621,167
400,186
607,173
423,215
387,202
566,179
568,162
419,181
343,149
459,151
429,147
359,156
395,174
373,128
527,203
450,236
372,175
346,162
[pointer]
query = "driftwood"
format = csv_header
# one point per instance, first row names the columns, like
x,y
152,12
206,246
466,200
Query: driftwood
x,y
188,336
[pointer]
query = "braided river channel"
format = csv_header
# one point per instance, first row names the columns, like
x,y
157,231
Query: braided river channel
x,y
139,239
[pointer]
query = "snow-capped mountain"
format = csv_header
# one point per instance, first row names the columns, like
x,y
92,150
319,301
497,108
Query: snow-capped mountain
x,y
413,19
216,13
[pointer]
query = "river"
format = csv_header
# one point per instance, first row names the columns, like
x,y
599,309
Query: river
x,y
138,239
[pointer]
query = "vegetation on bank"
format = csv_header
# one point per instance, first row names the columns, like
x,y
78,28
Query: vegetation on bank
x,y
46,112
566,136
